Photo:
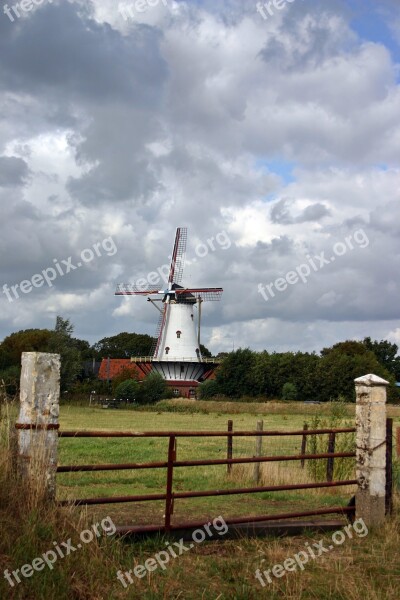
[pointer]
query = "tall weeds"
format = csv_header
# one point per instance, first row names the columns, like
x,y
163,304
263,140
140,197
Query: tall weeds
x,y
30,527
344,468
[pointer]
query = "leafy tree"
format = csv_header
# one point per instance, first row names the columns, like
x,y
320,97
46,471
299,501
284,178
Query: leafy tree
x,y
278,367
86,386
124,345
304,375
84,348
64,326
386,353
208,389
272,371
9,380
234,377
153,388
289,391
28,340
205,352
343,363
125,375
127,390
60,342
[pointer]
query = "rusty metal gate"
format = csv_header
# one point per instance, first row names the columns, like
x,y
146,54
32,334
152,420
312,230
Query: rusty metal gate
x,y
171,463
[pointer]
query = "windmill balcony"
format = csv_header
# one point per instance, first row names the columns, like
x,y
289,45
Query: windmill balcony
x,y
149,359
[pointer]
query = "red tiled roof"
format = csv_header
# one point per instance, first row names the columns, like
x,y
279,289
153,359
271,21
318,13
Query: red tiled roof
x,y
117,365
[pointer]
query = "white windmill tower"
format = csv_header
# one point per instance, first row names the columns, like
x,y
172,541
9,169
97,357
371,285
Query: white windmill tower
x,y
176,355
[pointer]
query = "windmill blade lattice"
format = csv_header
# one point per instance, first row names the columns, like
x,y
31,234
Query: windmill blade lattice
x,y
178,256
159,332
132,289
205,294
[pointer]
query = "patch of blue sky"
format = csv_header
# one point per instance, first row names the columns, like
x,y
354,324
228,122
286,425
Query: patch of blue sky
x,y
372,21
280,167
385,167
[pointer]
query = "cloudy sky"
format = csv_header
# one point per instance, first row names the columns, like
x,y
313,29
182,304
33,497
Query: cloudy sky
x,y
274,136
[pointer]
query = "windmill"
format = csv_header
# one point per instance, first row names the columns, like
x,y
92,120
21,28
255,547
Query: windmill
x,y
176,353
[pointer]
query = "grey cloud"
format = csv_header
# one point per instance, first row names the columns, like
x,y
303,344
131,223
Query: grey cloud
x,y
314,212
59,48
13,171
123,169
280,213
386,218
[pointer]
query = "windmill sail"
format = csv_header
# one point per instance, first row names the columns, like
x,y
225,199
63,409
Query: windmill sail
x,y
178,256
159,332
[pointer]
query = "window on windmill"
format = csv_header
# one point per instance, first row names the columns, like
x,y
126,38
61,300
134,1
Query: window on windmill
x,y
166,349
178,334
197,351
191,316
176,392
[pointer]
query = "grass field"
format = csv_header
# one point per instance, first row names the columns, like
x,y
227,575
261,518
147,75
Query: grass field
x,y
365,568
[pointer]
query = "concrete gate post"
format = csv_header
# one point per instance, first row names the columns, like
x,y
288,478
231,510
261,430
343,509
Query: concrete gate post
x,y
371,448
38,422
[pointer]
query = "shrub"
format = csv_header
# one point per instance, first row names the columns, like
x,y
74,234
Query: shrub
x,y
125,375
289,391
9,380
127,390
153,389
235,374
208,389
168,394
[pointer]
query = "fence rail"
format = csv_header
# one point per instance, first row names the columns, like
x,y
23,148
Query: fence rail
x,y
203,463
176,434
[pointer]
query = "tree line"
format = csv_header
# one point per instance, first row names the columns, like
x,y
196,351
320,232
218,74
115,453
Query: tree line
x,y
305,376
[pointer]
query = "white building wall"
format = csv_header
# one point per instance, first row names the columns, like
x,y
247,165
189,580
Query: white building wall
x,y
180,318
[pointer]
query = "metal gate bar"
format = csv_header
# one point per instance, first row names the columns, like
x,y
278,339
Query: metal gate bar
x,y
200,463
163,434
238,520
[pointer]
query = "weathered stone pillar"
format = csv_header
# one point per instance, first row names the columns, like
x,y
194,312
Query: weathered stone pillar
x,y
38,422
371,448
